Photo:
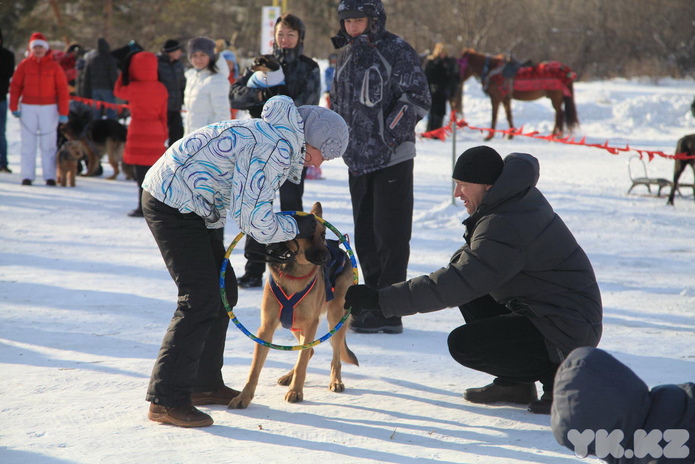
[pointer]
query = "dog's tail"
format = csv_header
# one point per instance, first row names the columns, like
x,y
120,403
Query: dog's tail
x,y
347,356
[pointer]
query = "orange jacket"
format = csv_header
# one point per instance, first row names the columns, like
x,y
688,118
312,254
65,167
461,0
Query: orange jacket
x,y
40,81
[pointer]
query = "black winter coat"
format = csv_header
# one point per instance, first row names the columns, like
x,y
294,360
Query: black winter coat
x,y
380,90
443,78
302,83
6,71
522,254
596,392
100,69
171,74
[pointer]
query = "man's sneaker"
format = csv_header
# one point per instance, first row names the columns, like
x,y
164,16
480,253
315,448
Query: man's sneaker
x,y
183,416
26,182
496,392
248,281
222,396
5,169
543,405
373,322
51,182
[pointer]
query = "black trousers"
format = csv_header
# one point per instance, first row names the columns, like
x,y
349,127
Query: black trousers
x,y
191,356
290,200
174,126
140,173
507,345
382,208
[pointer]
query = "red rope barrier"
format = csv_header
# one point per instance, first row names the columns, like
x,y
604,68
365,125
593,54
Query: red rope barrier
x,y
443,133
99,104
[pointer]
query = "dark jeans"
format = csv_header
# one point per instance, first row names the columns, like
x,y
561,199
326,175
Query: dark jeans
x,y
175,126
191,356
382,208
501,343
290,200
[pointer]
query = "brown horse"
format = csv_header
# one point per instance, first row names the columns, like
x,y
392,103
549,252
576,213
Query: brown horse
x,y
491,71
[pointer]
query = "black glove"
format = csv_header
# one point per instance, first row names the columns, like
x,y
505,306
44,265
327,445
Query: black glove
x,y
306,225
361,299
277,253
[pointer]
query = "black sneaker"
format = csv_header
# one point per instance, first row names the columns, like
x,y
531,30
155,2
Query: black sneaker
x,y
6,169
373,322
498,392
136,213
247,281
51,182
26,182
543,405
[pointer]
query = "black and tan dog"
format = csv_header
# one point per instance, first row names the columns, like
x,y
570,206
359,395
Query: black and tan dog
x,y
69,155
106,137
299,290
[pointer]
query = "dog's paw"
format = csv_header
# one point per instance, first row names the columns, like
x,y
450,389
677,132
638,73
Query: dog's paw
x,y
337,386
294,396
286,379
239,403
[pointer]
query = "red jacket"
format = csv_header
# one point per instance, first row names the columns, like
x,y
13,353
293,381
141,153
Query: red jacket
x,y
39,81
147,98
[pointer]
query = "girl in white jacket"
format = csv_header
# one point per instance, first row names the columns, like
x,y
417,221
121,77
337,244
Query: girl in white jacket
x,y
206,96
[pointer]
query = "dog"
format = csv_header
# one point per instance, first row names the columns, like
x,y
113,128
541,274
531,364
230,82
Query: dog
x,y
99,137
107,136
69,155
685,145
304,271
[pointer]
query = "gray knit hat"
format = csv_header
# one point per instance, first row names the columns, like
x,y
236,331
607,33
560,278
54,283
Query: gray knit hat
x,y
325,129
478,165
201,44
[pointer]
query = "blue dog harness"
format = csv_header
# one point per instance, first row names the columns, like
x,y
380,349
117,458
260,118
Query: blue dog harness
x,y
332,270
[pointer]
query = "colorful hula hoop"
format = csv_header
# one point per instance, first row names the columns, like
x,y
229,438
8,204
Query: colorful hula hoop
x,y
341,240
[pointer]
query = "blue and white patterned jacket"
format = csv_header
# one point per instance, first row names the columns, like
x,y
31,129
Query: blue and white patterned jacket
x,y
235,165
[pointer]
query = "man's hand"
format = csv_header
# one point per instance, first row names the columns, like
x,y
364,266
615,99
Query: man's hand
x,y
360,299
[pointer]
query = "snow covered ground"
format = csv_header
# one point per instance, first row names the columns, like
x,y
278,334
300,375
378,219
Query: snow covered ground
x,y
85,300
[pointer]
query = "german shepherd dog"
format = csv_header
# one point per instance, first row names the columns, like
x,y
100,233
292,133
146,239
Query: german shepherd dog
x,y
69,155
304,271
685,145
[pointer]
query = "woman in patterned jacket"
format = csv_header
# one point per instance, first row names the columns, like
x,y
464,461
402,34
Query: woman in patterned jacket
x,y
235,165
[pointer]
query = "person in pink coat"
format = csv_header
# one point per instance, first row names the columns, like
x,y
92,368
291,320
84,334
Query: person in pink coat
x,y
147,98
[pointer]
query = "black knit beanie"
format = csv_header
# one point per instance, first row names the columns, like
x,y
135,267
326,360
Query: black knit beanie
x,y
478,165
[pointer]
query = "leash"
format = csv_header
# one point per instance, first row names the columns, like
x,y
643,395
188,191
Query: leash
x,y
342,239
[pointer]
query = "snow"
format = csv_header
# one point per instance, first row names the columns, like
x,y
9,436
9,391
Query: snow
x,y
85,300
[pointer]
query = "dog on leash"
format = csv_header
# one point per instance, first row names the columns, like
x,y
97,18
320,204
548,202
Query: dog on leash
x,y
69,155
107,136
685,145
298,291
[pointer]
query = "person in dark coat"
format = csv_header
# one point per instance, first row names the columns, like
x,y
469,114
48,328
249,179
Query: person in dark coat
x,y
595,392
524,286
443,76
100,74
171,74
381,91
303,85
6,71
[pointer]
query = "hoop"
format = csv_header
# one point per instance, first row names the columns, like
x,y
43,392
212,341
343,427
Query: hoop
x,y
341,240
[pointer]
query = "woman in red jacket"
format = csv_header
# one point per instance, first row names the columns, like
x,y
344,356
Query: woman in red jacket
x,y
40,86
147,98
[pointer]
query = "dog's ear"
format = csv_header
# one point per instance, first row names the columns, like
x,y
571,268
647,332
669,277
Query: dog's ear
x,y
317,209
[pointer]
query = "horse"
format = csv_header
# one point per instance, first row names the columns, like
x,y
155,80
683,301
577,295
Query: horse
x,y
548,79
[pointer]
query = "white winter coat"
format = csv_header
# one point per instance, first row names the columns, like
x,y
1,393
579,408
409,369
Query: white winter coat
x,y
206,97
235,165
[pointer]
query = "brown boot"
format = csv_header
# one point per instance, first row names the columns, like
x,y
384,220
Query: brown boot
x,y
521,393
183,416
222,396
543,405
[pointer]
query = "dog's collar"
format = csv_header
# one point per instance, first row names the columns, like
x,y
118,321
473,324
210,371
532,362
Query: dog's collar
x,y
291,277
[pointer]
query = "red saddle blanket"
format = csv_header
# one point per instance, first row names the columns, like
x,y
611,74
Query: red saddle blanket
x,y
548,75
